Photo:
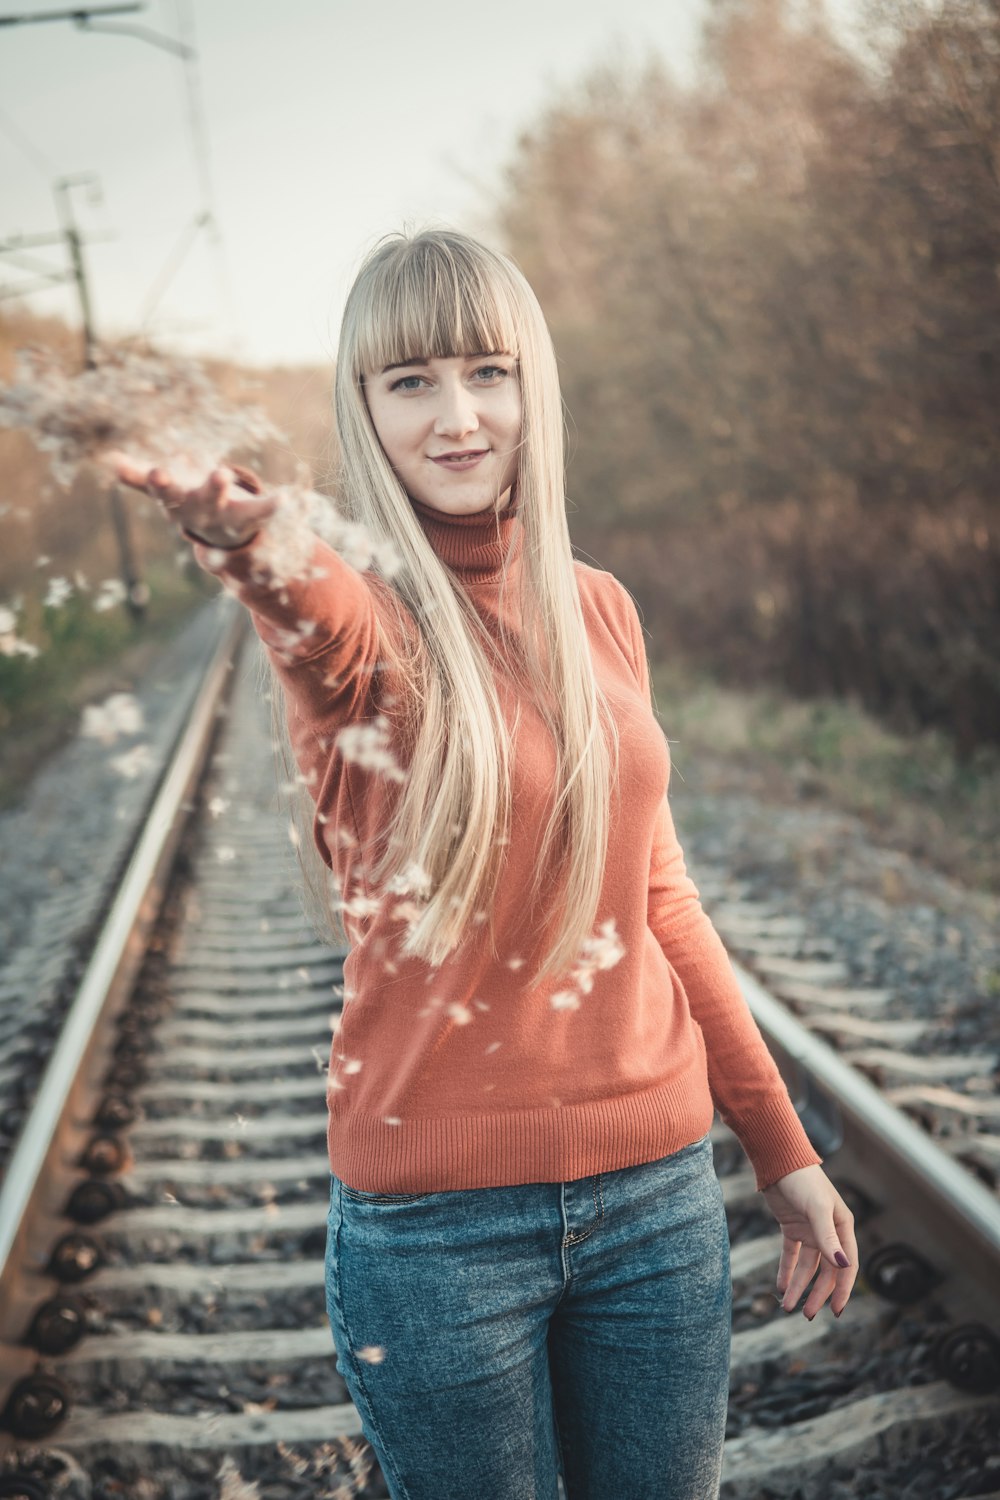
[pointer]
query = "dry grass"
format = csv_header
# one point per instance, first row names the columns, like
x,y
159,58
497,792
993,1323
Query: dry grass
x,y
912,791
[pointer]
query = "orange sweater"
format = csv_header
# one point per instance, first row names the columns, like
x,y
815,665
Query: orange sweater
x,y
466,1076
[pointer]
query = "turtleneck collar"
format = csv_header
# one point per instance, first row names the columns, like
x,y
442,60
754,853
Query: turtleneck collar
x,y
473,546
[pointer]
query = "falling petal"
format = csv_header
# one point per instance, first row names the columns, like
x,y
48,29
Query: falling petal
x,y
372,1354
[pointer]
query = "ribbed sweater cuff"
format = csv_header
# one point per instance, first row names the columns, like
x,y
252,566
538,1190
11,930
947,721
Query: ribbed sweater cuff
x,y
775,1141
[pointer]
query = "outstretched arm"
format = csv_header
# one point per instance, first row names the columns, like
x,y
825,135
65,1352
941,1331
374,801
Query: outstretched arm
x,y
313,612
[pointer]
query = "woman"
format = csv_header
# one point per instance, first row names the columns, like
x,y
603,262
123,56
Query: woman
x,y
528,1260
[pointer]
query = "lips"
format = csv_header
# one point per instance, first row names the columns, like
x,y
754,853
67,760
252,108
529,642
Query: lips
x,y
464,460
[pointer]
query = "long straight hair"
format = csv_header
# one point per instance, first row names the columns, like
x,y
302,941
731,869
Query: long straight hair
x,y
440,293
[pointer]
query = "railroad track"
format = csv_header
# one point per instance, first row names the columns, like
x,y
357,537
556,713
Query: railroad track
x,y
163,1331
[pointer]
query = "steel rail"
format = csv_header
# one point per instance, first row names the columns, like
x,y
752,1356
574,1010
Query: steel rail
x,y
966,1206
117,954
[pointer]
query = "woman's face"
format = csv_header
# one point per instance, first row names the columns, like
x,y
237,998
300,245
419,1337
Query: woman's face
x,y
428,412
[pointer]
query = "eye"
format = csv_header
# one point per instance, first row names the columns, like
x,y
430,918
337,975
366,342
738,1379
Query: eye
x,y
491,370
401,384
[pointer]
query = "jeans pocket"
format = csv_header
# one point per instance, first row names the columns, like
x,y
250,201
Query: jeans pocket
x,y
356,1195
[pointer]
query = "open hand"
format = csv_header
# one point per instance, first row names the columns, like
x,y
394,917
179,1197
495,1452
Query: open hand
x,y
224,509
816,1225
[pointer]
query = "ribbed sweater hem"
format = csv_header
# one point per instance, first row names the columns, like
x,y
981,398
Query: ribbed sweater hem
x,y
530,1145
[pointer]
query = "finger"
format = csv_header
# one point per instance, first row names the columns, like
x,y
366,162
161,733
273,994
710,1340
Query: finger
x,y
847,1275
805,1270
236,515
823,1286
844,1221
129,473
247,479
232,486
786,1265
157,482
831,1244
239,521
845,1285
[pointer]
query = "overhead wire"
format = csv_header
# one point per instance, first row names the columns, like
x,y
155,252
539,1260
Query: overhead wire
x,y
28,148
198,130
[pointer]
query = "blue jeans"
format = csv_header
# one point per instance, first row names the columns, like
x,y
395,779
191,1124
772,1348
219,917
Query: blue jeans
x,y
492,1337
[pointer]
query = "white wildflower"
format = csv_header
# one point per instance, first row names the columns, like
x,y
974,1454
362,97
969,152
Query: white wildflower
x,y
121,714
132,763
113,592
59,590
11,643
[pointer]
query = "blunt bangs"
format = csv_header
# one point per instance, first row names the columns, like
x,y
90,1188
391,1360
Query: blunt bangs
x,y
431,299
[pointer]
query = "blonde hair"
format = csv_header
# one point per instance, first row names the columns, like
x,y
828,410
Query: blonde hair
x,y
440,293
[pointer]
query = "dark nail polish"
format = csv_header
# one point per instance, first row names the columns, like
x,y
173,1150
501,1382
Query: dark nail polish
x,y
838,1312
841,1259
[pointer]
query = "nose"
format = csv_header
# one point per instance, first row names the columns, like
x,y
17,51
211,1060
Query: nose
x,y
456,414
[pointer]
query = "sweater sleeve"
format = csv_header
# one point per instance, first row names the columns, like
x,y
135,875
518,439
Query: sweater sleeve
x,y
315,616
746,1085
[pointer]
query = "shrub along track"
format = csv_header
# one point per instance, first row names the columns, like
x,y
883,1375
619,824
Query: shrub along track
x,y
162,1305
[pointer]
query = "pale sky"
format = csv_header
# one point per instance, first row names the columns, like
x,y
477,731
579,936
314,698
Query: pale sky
x,y
330,123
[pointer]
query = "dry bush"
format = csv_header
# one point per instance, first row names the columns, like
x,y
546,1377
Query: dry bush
x,y
775,302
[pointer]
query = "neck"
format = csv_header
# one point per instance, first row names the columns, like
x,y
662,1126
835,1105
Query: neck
x,y
472,546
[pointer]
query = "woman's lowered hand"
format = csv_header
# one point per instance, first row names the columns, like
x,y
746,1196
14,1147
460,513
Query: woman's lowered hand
x,y
818,1235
